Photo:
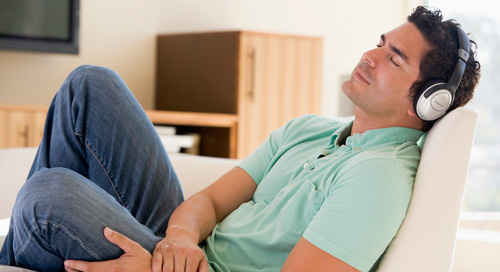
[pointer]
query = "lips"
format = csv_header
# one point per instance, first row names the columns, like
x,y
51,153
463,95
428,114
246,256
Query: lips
x,y
359,74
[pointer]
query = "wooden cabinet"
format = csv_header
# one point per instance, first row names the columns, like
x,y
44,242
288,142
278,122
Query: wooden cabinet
x,y
21,126
263,79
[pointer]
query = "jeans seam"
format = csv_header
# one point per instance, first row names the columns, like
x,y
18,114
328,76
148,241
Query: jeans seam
x,y
107,174
23,248
66,231
74,237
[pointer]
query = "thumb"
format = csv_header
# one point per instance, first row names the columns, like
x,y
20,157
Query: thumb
x,y
120,240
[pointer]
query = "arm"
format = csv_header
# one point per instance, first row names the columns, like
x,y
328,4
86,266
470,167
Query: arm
x,y
307,257
195,218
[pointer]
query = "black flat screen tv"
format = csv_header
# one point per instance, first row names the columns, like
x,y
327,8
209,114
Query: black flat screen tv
x,y
40,25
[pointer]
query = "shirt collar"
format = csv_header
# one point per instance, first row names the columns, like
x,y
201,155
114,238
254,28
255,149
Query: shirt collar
x,y
374,137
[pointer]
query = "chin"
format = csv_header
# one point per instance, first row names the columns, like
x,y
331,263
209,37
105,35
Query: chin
x,y
346,86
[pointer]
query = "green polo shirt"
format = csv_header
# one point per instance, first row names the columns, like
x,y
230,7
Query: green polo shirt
x,y
347,199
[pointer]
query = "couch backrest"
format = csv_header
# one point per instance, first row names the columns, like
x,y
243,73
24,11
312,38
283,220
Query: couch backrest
x,y
195,173
15,164
426,239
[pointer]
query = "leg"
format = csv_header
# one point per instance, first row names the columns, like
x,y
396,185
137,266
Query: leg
x,y
97,128
61,215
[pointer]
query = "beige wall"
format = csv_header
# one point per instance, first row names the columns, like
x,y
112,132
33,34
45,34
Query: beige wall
x,y
120,34
116,34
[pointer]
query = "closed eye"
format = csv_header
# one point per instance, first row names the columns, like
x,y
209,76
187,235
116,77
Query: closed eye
x,y
394,49
393,62
381,44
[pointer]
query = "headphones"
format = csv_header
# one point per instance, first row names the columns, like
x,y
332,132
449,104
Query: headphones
x,y
435,98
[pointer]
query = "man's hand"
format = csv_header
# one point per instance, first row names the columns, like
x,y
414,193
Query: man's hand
x,y
179,252
135,258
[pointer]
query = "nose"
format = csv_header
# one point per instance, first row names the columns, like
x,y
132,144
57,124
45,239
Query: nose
x,y
370,57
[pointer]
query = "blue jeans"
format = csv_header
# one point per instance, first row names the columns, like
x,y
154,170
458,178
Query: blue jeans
x,y
100,164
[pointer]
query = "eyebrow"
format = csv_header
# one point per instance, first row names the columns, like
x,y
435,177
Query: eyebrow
x,y
395,49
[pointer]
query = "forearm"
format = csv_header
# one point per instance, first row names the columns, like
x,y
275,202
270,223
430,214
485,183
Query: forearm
x,y
197,216
194,219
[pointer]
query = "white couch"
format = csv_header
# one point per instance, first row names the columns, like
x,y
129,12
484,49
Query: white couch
x,y
195,173
426,239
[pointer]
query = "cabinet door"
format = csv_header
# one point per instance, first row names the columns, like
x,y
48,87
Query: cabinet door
x,y
15,127
258,104
279,79
197,72
3,129
37,124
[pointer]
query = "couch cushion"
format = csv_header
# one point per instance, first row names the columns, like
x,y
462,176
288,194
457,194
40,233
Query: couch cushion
x,y
4,268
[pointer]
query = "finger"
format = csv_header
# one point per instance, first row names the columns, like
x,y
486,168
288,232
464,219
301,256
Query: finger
x,y
203,266
157,261
180,263
192,266
77,265
70,269
194,260
168,263
120,240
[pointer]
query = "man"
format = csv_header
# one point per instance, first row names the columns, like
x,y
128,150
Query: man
x,y
318,195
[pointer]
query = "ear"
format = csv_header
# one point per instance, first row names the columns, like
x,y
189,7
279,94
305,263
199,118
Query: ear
x,y
412,113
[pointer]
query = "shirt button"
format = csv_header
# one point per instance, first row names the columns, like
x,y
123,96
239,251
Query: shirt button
x,y
306,165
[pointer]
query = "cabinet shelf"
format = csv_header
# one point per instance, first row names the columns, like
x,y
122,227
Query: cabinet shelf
x,y
213,127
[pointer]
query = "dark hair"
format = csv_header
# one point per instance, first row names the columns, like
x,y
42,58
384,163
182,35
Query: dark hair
x,y
440,61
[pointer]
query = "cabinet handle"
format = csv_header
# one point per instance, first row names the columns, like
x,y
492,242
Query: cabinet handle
x,y
25,135
251,84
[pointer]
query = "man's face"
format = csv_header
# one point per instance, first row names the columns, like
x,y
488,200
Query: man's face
x,y
379,85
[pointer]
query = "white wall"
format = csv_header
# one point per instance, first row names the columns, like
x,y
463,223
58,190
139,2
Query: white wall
x,y
120,34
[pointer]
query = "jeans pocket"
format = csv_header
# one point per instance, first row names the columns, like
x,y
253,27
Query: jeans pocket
x,y
300,208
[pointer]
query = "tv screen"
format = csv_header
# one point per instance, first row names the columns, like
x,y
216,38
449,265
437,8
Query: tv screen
x,y
40,25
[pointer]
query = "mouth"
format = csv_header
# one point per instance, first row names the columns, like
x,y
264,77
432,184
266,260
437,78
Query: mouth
x,y
358,73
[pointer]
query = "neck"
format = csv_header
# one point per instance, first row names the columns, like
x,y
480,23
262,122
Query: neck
x,y
364,122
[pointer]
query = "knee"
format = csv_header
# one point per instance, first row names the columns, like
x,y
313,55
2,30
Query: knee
x,y
96,82
46,190
93,73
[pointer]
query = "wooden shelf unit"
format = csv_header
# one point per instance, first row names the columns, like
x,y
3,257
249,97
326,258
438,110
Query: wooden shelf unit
x,y
22,126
